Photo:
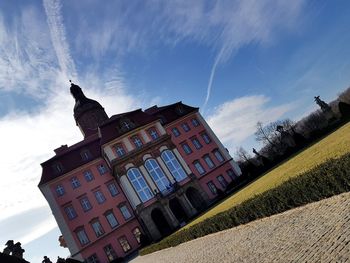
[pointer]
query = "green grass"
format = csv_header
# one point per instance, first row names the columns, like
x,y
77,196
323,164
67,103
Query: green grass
x,y
333,146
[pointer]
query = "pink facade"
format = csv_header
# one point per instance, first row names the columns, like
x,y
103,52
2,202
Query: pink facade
x,y
135,175
206,148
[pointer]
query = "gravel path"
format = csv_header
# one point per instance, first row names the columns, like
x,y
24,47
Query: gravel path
x,y
318,232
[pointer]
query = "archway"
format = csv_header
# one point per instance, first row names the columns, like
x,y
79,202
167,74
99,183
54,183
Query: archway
x,y
178,210
195,198
161,222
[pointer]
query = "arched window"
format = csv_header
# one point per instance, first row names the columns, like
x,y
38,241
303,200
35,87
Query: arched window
x,y
173,165
139,184
157,174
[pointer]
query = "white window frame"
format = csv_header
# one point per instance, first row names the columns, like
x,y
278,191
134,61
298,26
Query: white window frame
x,y
83,237
100,197
75,182
97,227
88,175
85,203
125,212
113,186
112,220
199,167
209,161
140,185
157,174
196,143
60,190
173,165
218,155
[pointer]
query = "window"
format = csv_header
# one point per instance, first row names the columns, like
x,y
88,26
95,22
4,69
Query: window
x,y
119,149
231,174
124,244
88,176
137,234
218,155
139,184
110,253
85,204
153,133
212,187
102,169
75,182
222,181
112,189
185,127
195,122
96,226
186,148
100,197
157,174
176,132
113,222
125,212
59,190
58,168
209,161
70,212
196,143
199,167
82,236
137,141
85,155
126,125
92,259
173,165
206,138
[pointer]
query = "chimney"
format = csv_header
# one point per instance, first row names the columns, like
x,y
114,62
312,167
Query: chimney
x,y
61,149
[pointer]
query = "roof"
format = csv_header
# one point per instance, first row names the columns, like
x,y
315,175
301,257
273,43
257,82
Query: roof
x,y
170,113
112,128
70,158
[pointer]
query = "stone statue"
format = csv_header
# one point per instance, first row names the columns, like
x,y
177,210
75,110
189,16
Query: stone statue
x,y
18,250
46,260
9,247
60,260
323,105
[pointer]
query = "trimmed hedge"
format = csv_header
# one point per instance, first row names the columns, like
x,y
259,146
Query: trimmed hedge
x,y
325,180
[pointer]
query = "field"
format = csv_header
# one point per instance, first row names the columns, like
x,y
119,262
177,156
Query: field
x,y
334,145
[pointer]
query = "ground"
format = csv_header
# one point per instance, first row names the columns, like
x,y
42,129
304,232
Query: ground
x,y
334,145
317,232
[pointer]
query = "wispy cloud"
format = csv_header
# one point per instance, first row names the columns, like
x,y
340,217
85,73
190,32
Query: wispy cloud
x,y
234,121
224,26
58,37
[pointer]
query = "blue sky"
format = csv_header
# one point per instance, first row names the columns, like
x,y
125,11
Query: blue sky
x,y
240,61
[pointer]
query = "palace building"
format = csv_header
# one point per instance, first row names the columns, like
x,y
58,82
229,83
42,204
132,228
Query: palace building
x,y
134,174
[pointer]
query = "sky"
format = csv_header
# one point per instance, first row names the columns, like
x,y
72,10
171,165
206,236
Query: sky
x,y
239,61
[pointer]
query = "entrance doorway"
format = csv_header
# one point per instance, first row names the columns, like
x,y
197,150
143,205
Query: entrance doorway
x,y
177,210
195,198
160,221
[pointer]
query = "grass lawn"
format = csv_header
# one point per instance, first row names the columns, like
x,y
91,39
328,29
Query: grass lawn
x,y
334,145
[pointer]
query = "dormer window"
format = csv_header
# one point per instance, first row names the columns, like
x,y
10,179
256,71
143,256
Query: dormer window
x,y
85,155
126,125
57,167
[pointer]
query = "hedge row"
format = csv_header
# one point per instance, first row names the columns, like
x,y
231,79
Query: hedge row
x,y
325,180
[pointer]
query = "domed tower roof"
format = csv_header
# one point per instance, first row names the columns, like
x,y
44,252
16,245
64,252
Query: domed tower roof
x,y
88,113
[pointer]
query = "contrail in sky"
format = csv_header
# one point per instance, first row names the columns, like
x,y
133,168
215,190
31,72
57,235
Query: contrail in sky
x,y
58,37
212,74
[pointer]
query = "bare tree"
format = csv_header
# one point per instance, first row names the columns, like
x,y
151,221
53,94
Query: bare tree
x,y
242,155
314,121
264,134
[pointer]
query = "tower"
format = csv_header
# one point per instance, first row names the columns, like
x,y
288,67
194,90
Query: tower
x,y
88,113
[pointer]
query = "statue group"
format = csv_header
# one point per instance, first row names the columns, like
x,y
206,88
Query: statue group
x,y
13,249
